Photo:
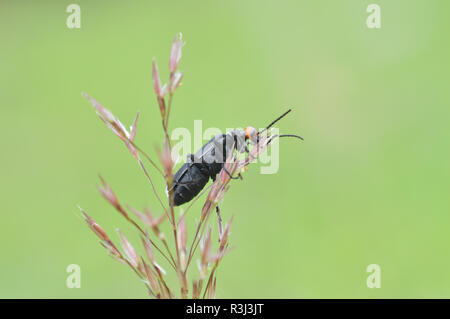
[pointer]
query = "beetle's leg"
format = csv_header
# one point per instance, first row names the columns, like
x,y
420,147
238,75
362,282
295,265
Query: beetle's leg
x,y
175,183
248,152
239,176
226,171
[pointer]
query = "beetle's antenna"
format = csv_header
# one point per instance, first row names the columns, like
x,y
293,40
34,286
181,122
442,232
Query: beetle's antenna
x,y
291,135
279,118
284,135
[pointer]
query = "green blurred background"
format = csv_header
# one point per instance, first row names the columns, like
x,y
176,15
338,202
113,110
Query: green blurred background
x,y
370,184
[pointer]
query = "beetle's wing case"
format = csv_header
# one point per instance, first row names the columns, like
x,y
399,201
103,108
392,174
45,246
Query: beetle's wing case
x,y
180,173
205,150
197,157
191,180
220,147
211,152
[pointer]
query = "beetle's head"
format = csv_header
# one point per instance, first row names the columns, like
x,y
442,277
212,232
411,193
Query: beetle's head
x,y
251,134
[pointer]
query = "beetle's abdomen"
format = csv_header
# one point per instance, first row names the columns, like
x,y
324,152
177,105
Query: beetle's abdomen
x,y
189,180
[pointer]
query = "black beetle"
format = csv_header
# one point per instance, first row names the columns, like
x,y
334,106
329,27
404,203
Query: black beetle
x,y
192,177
